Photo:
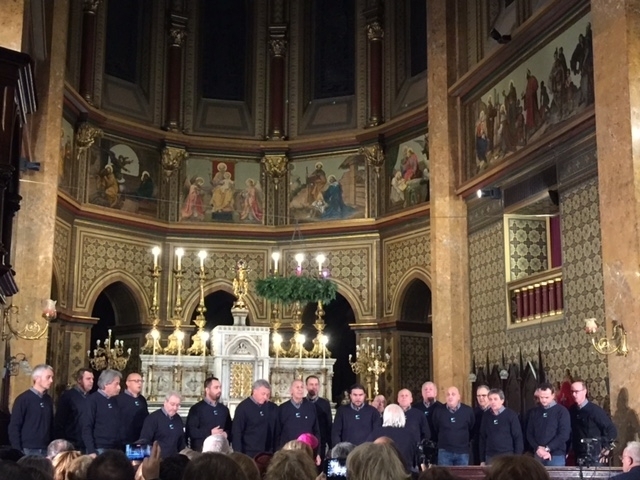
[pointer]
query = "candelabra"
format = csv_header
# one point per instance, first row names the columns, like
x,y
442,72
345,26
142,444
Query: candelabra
x,y
320,349
371,363
199,346
606,346
152,344
113,357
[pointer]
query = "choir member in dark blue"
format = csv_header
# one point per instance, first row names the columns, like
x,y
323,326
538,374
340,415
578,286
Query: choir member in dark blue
x,y
548,428
296,416
589,421
453,425
500,431
415,418
428,404
133,408
165,426
482,399
101,421
209,416
66,422
355,422
254,422
31,423
323,412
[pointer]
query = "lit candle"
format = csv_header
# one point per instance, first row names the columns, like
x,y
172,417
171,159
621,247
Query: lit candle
x,y
179,255
202,255
276,257
301,340
299,258
88,353
156,254
320,259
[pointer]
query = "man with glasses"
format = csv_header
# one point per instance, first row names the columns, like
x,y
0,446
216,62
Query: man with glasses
x,y
630,461
482,405
592,430
133,408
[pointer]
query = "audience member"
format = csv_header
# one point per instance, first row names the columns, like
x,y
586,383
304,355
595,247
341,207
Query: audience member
x,y
79,468
58,446
66,422
13,471
36,461
173,467
217,443
630,462
189,453
510,467
298,445
62,463
342,450
216,466
111,465
437,473
371,461
262,461
10,454
404,437
291,465
37,474
247,464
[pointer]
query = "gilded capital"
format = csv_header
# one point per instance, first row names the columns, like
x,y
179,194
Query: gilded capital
x,y
275,166
278,47
172,158
177,36
375,31
373,154
86,135
90,6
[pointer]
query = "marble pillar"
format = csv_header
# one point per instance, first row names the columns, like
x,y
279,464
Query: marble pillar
x,y
11,24
34,224
616,28
449,255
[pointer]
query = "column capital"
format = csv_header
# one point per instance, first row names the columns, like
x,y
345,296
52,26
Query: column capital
x,y
86,135
172,158
275,166
373,154
177,36
90,6
375,32
278,47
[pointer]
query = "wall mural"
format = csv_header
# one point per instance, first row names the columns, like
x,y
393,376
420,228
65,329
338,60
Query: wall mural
x,y
409,173
554,84
222,191
124,177
65,166
330,188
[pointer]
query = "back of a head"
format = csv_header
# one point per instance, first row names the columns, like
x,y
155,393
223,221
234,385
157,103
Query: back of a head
x,y
13,471
111,465
247,464
291,465
173,467
41,463
508,467
10,454
262,461
437,473
216,444
342,450
79,468
298,445
376,461
58,446
62,463
36,474
213,466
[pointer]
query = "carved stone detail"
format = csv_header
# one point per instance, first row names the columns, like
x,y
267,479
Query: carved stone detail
x,y
90,6
375,32
278,47
177,36
276,167
172,158
86,135
374,155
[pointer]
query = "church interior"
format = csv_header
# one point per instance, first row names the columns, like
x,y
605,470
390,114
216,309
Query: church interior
x,y
464,173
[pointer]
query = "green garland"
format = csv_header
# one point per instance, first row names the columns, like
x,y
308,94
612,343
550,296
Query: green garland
x,y
303,289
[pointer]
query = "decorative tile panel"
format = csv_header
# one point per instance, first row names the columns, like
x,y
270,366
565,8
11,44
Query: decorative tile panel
x,y
527,246
61,260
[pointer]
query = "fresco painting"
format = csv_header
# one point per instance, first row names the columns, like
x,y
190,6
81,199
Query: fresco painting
x,y
409,174
65,165
222,191
553,85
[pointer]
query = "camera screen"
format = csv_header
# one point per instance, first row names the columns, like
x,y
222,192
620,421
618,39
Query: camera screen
x,y
336,469
138,452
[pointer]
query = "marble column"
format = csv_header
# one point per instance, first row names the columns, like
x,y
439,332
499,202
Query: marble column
x,y
375,34
88,52
278,49
449,255
11,24
177,34
617,108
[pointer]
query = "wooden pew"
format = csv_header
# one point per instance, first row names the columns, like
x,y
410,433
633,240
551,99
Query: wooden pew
x,y
556,473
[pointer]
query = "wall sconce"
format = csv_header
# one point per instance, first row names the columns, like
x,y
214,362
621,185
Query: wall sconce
x,y
30,329
493,192
17,363
606,346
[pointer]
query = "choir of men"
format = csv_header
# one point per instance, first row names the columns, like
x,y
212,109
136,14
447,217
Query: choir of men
x,y
71,404
133,408
209,416
355,421
165,426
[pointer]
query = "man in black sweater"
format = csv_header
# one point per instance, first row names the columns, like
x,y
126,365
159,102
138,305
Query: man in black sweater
x,y
415,419
31,423
133,408
591,428
295,417
453,425
101,421
548,428
429,404
323,412
66,423
355,421
254,421
500,431
482,399
209,416
165,426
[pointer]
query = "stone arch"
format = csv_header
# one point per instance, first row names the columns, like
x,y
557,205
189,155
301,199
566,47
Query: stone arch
x,y
252,347
126,306
135,288
400,292
355,302
56,287
191,301
414,307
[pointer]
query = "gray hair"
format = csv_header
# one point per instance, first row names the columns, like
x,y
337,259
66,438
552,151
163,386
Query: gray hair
x,y
393,416
59,446
172,394
107,377
497,391
486,387
260,383
38,370
342,450
216,443
633,450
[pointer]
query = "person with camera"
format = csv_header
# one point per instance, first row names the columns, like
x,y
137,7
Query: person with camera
x,y
593,432
630,462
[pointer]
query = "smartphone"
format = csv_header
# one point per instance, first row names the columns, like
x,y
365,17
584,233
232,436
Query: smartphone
x,y
138,452
336,468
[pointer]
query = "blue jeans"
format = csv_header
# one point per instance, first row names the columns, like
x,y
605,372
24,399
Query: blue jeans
x,y
451,459
38,452
554,461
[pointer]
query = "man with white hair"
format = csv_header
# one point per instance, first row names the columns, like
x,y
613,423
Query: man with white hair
x,y
101,422
404,437
429,404
630,462
216,443
165,426
31,423
295,417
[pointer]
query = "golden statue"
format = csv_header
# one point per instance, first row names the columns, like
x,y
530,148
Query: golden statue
x,y
241,285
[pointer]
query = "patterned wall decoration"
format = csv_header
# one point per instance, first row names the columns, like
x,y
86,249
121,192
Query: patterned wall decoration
x,y
404,256
408,173
415,362
527,246
61,260
583,297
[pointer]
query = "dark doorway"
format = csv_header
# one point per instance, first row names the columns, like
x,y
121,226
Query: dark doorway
x,y
115,305
218,305
416,306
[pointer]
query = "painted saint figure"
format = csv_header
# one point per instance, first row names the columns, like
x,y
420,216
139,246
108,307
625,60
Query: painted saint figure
x,y
222,193
251,205
192,208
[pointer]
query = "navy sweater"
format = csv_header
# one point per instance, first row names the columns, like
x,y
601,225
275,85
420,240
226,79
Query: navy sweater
x,y
202,418
428,413
168,432
253,427
354,426
405,438
66,422
500,434
31,421
133,412
550,427
454,430
418,421
591,421
325,421
292,422
101,423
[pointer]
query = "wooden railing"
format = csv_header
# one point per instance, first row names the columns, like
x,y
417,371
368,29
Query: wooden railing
x,y
536,298
555,473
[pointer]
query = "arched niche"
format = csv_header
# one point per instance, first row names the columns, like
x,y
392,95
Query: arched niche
x,y
115,305
416,303
218,305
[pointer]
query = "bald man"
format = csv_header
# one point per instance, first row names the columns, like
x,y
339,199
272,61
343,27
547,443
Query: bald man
x,y
133,408
415,418
297,416
454,427
429,404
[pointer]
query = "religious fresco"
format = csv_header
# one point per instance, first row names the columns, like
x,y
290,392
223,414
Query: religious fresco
x,y
327,188
222,191
408,173
553,85
65,165
124,177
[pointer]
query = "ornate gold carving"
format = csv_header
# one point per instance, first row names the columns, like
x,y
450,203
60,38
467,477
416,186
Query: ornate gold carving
x,y
86,136
240,381
172,157
374,155
177,36
241,285
278,46
90,6
276,167
375,32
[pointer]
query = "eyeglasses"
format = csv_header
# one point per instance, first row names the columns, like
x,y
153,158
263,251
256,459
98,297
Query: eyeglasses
x,y
137,380
479,395
577,391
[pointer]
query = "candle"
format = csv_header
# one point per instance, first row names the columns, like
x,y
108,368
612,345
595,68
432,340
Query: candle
x,y
320,259
299,258
179,255
276,257
88,353
156,254
202,255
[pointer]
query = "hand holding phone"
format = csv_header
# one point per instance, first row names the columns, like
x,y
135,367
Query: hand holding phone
x,y
336,469
137,451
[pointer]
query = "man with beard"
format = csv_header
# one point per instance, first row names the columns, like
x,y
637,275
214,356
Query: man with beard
x,y
209,416
323,412
548,428
133,408
66,422
356,420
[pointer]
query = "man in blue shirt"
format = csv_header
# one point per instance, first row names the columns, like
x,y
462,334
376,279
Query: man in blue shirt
x,y
355,422
70,406
548,428
165,426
